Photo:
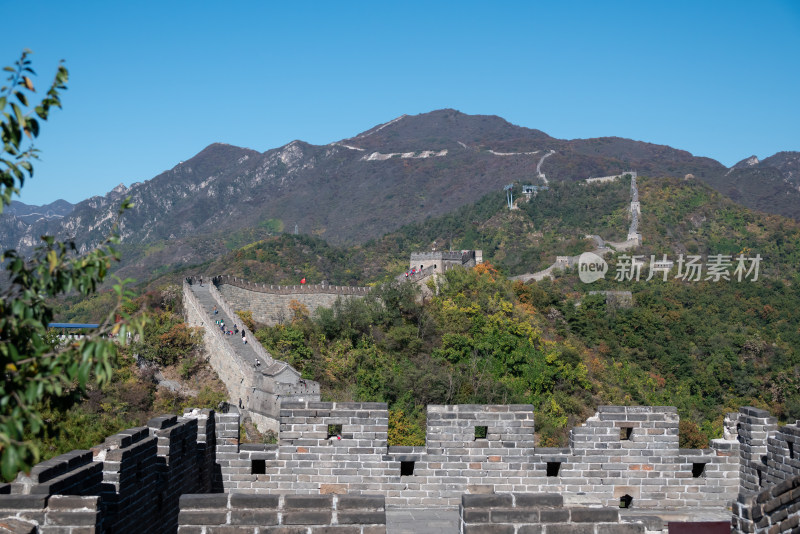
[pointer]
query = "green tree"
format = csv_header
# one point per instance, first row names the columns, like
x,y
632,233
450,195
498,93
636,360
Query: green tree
x,y
166,339
34,366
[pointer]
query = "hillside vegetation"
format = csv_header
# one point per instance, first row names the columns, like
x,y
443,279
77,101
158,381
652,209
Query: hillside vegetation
x,y
474,342
167,347
706,347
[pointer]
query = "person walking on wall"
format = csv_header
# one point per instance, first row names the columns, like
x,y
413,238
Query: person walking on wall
x,y
244,338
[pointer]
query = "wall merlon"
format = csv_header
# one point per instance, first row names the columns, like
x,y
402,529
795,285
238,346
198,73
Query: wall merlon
x,y
307,472
162,422
754,412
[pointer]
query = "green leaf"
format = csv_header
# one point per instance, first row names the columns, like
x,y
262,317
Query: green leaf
x,y
33,125
83,375
34,284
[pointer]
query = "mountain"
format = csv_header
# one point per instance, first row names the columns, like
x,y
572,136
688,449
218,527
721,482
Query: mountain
x,y
771,185
702,345
404,171
19,221
29,214
788,163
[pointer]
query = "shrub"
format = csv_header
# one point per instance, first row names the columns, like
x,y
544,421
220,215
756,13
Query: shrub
x,y
247,319
690,436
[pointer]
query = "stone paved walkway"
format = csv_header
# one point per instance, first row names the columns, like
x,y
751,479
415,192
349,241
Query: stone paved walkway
x,y
422,521
245,352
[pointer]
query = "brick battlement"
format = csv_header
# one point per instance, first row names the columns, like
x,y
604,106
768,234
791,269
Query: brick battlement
x,y
332,467
272,304
304,289
441,255
255,381
621,451
311,513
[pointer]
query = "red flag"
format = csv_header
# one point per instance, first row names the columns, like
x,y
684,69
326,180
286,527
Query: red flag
x,y
303,281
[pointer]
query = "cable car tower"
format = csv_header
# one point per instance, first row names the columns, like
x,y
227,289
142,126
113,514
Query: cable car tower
x,y
509,195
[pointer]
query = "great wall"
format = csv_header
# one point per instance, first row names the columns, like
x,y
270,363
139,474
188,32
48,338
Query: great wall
x,y
602,247
333,471
622,473
257,383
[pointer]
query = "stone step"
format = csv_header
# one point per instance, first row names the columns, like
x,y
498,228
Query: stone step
x,y
246,352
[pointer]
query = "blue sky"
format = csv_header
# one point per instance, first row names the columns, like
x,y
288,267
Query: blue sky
x,y
153,83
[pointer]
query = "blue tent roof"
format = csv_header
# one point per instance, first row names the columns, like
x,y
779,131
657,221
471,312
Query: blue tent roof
x,y
72,325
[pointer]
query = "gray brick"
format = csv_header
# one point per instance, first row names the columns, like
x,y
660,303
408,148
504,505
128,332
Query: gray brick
x,y
538,499
554,516
72,518
486,501
226,529
254,517
359,517
472,515
569,529
162,422
203,501
594,515
307,517
308,501
339,529
23,502
361,502
488,529
202,517
244,500
515,516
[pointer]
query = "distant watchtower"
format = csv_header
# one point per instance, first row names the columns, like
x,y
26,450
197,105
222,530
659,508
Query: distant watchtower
x,y
441,261
528,191
531,190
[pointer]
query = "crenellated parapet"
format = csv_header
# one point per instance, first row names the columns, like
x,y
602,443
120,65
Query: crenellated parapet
x,y
440,255
256,382
623,454
273,304
332,467
303,289
130,483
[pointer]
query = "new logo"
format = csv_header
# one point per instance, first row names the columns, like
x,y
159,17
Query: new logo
x,y
591,267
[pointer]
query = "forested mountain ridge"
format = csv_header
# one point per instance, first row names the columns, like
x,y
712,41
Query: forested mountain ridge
x,y
30,214
405,171
706,347
678,217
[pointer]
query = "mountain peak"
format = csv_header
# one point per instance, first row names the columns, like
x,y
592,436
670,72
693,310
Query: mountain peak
x,y
446,129
747,162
